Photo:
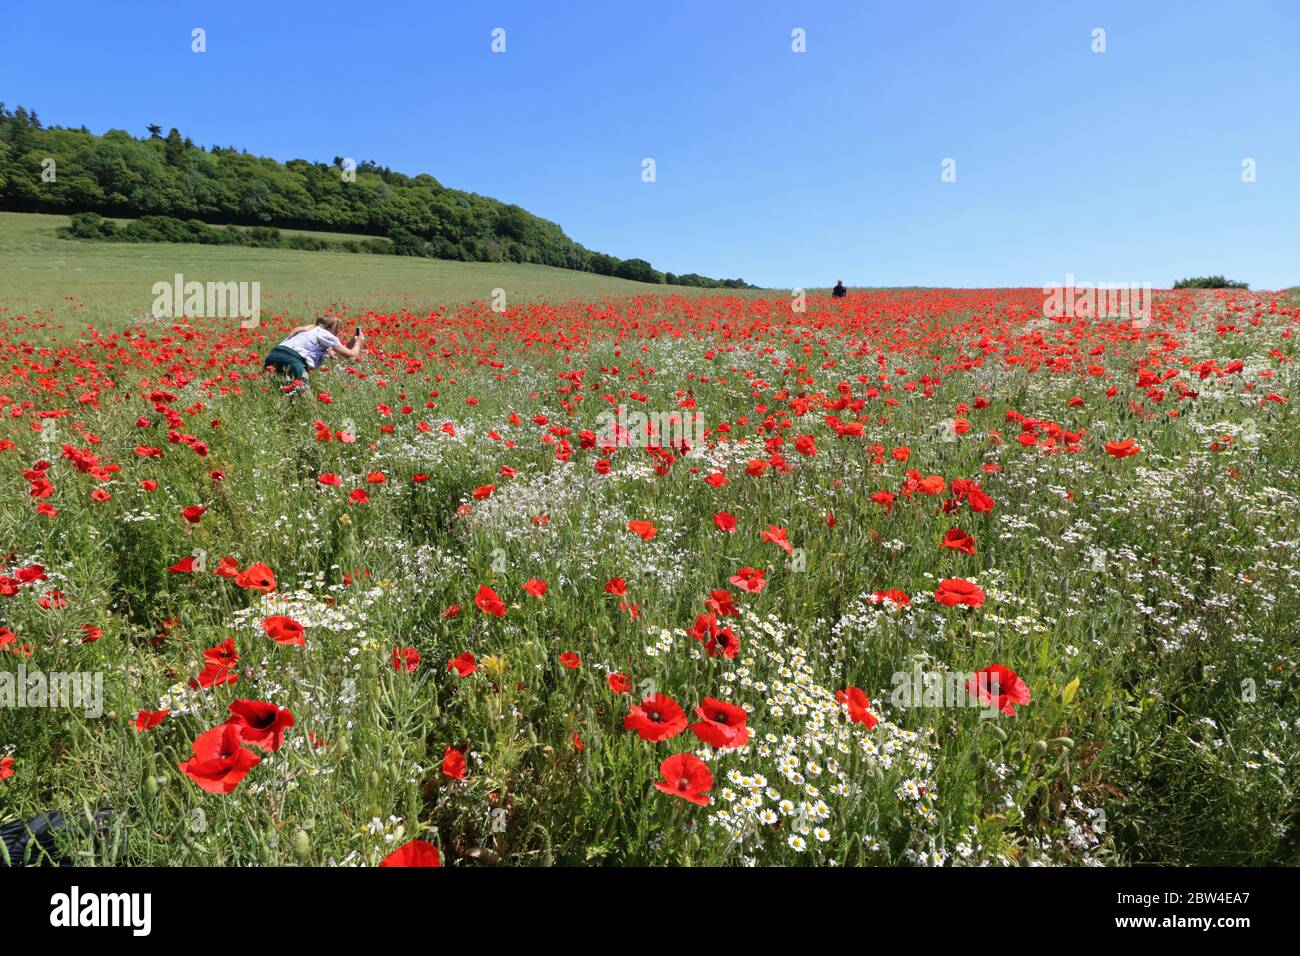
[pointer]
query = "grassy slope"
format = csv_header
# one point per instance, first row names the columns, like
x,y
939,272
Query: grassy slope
x,y
115,280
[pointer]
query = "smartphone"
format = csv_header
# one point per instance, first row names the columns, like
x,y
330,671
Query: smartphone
x,y
356,331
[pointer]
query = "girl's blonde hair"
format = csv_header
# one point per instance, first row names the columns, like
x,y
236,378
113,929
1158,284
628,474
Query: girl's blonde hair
x,y
331,324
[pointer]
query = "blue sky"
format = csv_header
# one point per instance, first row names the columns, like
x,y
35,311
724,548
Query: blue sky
x,y
787,169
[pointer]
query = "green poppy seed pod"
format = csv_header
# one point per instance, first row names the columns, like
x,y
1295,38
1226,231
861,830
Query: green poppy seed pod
x,y
301,844
342,747
435,711
1038,749
1065,742
998,732
162,780
532,734
374,780
151,786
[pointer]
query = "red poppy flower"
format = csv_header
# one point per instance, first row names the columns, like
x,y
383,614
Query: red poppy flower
x,y
999,686
719,602
220,762
1122,449
978,500
856,701
214,675
893,595
453,764
616,587
954,591
484,491
405,659
227,568
535,587
222,655
958,540
31,574
489,602
571,660
686,776
261,724
329,478
642,529
284,630
6,767
656,718
618,683
777,537
414,853
722,640
721,724
193,513
149,719
53,600
749,579
183,566
464,665
724,522
256,577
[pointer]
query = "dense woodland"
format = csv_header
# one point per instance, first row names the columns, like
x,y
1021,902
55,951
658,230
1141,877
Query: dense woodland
x,y
181,192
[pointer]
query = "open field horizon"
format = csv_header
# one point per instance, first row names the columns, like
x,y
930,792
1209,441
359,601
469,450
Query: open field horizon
x,y
39,265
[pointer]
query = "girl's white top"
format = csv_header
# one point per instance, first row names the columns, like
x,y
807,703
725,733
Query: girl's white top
x,y
312,344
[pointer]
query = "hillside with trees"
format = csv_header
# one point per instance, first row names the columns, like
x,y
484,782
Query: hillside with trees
x,y
186,189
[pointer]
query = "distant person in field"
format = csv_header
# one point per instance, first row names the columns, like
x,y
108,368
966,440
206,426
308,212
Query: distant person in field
x,y
307,346
839,291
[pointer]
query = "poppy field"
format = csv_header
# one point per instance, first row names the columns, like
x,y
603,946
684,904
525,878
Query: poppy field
x,y
911,577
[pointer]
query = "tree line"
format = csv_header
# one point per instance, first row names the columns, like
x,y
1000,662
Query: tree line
x,y
1210,282
181,192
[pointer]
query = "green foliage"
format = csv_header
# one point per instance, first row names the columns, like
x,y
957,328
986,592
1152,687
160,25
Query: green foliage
x,y
121,176
90,225
637,270
1210,282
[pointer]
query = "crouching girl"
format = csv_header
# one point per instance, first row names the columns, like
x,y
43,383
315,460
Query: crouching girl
x,y
307,346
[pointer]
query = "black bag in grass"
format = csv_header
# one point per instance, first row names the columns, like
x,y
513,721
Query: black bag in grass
x,y
41,840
